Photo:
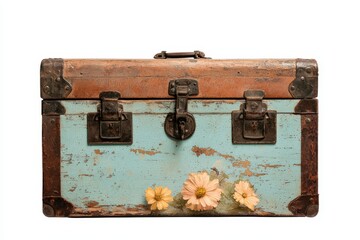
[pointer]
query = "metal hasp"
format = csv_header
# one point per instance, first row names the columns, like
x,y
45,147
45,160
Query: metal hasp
x,y
110,125
253,123
181,124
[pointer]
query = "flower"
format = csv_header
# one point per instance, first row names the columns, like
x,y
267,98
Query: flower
x,y
158,198
201,193
245,195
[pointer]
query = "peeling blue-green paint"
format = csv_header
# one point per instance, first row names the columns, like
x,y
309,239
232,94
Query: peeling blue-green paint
x,y
115,175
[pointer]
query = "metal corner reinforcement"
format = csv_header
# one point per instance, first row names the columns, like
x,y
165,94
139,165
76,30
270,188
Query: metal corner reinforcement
x,y
53,84
305,84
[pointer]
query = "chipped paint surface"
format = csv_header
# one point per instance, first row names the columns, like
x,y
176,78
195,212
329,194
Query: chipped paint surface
x,y
116,176
241,163
164,106
271,166
97,151
144,152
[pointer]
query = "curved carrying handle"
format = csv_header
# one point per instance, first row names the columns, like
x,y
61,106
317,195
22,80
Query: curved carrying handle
x,y
194,54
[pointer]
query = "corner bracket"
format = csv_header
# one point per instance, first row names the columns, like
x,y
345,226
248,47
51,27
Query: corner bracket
x,y
305,84
53,84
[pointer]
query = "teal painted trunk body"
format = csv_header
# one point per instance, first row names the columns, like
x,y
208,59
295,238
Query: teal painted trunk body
x,y
111,180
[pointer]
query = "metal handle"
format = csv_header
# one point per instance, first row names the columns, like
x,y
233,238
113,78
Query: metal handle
x,y
195,54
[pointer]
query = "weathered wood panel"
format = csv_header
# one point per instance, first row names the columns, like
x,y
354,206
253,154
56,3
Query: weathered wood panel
x,y
149,78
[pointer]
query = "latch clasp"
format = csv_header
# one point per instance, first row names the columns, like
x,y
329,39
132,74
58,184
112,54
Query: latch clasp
x,y
253,123
181,124
110,125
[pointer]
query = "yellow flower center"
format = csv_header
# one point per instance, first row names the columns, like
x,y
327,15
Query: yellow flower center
x,y
200,192
244,195
158,197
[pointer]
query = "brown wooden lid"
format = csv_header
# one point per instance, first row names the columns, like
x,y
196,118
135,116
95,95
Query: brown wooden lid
x,y
139,79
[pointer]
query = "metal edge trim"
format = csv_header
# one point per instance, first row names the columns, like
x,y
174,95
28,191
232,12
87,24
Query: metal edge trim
x,y
307,204
54,205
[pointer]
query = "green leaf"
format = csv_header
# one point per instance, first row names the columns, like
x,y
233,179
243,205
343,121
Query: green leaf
x,y
178,202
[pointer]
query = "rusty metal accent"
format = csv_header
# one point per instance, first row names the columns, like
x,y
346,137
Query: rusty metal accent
x,y
51,155
196,54
110,125
306,106
305,84
57,207
181,124
53,84
53,204
253,123
52,108
307,204
309,154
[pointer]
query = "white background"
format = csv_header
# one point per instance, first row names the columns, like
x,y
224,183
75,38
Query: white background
x,y
325,30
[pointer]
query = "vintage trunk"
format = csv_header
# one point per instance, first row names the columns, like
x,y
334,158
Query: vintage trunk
x,y
226,137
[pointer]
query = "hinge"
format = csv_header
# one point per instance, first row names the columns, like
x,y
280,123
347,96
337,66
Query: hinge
x,y
181,124
253,123
110,125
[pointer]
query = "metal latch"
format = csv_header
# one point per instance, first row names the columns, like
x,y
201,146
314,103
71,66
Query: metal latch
x,y
181,124
253,123
110,124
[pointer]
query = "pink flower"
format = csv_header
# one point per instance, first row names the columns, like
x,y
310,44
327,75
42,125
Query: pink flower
x,y
201,193
245,195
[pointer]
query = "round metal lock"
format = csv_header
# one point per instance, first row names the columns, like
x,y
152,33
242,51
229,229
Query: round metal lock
x,y
181,129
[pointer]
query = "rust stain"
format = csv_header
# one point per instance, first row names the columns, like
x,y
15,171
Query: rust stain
x,y
96,160
249,173
226,156
208,102
144,152
209,152
297,164
241,163
85,175
73,189
271,166
206,151
91,204
105,210
98,152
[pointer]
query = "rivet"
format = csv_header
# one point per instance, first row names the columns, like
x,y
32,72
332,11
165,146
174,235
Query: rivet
x,y
302,78
48,210
47,89
308,120
67,88
292,88
52,121
308,69
58,79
